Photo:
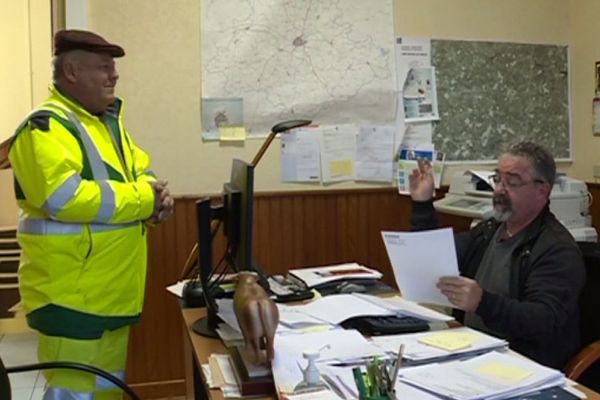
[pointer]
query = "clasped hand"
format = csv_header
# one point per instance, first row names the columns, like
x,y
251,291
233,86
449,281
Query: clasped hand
x,y
163,202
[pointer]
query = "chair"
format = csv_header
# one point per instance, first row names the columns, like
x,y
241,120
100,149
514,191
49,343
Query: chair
x,y
5,390
584,366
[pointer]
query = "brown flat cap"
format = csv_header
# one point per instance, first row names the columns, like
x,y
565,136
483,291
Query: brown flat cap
x,y
72,39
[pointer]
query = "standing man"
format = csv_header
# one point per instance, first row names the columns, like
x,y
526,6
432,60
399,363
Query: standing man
x,y
86,195
521,271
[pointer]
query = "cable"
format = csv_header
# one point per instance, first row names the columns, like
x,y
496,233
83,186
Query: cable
x,y
73,365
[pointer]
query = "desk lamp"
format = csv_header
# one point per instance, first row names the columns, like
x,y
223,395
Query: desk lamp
x,y
205,214
280,127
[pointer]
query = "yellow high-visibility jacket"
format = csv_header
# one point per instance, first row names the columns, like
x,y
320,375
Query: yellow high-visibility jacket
x,y
84,190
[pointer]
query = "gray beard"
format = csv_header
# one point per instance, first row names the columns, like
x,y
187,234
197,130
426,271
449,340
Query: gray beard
x,y
502,215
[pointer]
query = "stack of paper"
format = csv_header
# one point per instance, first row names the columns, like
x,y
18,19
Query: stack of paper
x,y
343,345
338,345
440,345
294,317
490,376
219,373
318,276
337,308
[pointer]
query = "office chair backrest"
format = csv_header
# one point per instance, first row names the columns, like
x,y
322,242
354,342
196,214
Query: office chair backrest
x,y
5,391
586,364
589,302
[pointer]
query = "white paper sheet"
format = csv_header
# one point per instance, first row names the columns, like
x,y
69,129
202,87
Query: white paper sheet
x,y
404,307
375,153
337,308
490,376
419,260
416,351
344,345
300,155
338,152
411,52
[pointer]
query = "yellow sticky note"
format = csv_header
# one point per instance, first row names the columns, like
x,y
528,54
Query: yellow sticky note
x,y
232,133
449,341
340,168
508,373
316,328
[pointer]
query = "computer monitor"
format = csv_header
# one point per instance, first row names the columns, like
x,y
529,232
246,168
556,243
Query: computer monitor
x,y
238,195
236,215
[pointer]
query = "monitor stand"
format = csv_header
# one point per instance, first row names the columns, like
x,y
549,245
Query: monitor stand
x,y
203,328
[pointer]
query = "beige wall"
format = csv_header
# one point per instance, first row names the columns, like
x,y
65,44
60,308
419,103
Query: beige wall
x,y
585,51
24,76
160,76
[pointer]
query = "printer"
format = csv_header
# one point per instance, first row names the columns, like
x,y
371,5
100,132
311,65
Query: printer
x,y
470,195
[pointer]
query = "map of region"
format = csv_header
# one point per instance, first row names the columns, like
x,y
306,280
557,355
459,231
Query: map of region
x,y
330,61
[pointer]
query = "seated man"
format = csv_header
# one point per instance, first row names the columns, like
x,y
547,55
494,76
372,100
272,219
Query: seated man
x,y
521,271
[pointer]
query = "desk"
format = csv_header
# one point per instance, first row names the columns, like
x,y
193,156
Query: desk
x,y
197,349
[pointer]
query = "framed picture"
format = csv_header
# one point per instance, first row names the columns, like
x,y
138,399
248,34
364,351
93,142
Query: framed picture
x,y
597,79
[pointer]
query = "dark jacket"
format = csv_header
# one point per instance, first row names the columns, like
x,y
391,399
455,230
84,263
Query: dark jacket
x,y
540,318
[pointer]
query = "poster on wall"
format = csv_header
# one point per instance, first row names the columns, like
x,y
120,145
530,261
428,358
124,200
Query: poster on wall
x,y
419,95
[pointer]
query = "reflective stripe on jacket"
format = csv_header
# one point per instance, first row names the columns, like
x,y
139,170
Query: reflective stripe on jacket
x,y
83,189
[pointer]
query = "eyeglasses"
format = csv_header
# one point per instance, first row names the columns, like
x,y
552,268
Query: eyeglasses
x,y
511,181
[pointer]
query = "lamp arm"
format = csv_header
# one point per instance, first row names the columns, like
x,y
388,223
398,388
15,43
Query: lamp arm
x,y
280,127
263,148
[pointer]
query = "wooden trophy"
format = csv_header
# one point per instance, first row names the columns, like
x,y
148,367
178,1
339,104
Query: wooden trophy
x,y
258,317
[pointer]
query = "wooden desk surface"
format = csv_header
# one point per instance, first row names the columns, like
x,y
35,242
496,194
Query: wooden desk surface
x,y
202,347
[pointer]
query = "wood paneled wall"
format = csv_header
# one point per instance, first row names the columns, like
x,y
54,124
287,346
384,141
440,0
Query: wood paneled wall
x,y
291,229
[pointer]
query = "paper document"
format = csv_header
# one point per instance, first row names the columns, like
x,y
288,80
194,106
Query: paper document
x,y
300,161
337,308
402,306
317,276
344,345
177,288
419,260
489,376
374,153
440,345
338,152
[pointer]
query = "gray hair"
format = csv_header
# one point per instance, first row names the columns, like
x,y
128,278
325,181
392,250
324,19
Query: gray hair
x,y
57,66
59,61
540,159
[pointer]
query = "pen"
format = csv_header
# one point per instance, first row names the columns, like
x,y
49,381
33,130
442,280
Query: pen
x,y
360,383
389,384
372,376
397,366
333,386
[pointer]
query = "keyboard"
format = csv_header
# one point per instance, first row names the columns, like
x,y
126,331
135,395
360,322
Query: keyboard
x,y
386,325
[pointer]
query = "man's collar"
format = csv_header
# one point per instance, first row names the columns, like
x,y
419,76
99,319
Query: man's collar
x,y
112,110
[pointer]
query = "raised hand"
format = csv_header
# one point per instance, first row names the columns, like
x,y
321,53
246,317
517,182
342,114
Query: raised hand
x,y
421,181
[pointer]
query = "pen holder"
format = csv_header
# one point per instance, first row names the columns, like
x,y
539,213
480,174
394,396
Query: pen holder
x,y
375,384
387,396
